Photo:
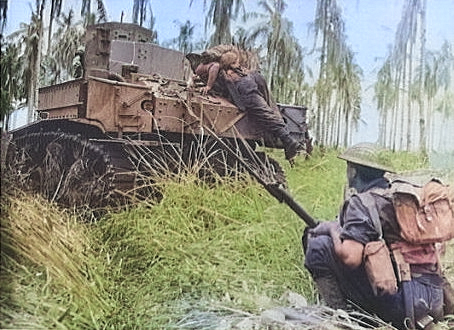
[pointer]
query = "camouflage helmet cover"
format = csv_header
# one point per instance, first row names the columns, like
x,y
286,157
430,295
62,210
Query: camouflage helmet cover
x,y
228,59
368,154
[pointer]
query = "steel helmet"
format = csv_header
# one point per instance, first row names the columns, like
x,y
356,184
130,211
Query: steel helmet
x,y
368,154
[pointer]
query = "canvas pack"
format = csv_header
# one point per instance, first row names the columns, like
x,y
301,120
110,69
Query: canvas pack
x,y
425,213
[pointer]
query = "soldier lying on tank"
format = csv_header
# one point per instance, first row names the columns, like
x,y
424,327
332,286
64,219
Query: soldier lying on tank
x,y
335,253
249,92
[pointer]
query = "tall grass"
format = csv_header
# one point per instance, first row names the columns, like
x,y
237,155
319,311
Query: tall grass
x,y
215,242
226,243
49,274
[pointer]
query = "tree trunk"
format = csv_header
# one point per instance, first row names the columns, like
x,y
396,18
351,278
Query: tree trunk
x,y
422,109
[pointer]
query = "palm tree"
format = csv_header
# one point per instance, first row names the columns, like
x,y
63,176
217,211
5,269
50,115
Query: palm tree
x,y
337,89
410,89
220,13
154,36
184,40
10,84
385,97
89,17
281,53
67,39
3,14
282,48
420,82
405,49
139,11
139,16
443,101
30,45
55,10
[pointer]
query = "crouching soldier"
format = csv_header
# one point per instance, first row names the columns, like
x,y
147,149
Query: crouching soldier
x,y
350,260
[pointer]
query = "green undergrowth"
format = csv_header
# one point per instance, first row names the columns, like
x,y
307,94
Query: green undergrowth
x,y
215,242
228,243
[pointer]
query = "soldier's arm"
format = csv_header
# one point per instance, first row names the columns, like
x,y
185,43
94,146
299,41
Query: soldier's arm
x,y
349,252
211,70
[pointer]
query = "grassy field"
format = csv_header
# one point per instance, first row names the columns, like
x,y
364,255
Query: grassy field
x,y
229,245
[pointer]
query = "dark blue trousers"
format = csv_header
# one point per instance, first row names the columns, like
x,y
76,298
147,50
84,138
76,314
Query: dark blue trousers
x,y
427,291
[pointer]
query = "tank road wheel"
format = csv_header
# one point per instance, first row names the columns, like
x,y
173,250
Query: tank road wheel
x,y
64,168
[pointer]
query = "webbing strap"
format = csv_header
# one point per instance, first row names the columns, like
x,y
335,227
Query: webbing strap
x,y
404,272
368,201
403,267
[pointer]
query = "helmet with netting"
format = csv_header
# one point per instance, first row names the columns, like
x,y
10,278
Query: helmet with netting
x,y
228,59
369,155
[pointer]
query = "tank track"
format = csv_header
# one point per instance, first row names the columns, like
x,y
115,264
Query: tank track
x,y
64,168
77,172
216,160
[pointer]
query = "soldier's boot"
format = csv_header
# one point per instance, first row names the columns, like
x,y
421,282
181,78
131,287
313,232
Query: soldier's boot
x,y
291,147
330,292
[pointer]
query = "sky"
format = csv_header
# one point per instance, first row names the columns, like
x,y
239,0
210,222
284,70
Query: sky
x,y
370,24
370,28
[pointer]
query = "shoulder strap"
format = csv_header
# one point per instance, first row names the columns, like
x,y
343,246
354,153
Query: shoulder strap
x,y
369,201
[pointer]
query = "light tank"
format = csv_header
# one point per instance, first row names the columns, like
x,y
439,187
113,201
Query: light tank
x,y
130,115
